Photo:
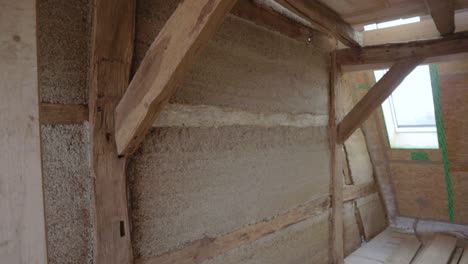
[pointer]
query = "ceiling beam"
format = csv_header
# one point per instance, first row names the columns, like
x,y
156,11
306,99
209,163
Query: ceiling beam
x,y
443,14
324,19
375,97
380,56
111,59
170,56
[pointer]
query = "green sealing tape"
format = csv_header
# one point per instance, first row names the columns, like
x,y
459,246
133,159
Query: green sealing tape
x,y
441,137
419,156
362,87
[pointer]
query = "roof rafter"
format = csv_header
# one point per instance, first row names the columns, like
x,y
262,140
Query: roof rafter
x,y
325,19
443,14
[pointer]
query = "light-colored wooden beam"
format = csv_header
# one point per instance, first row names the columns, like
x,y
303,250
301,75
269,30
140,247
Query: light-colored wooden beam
x,y
201,250
336,177
22,223
324,19
353,192
170,56
372,57
111,59
443,14
375,97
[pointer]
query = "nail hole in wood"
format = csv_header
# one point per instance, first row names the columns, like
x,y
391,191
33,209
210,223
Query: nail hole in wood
x,y
122,229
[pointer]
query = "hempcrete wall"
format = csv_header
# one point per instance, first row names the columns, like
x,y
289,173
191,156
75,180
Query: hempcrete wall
x,y
63,29
188,183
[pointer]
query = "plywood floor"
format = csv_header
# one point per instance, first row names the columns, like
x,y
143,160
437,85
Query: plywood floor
x,y
391,247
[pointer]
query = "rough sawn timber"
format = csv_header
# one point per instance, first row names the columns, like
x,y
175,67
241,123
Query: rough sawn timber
x,y
112,51
172,53
375,97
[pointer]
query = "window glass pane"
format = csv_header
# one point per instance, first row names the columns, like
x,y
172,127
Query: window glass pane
x,y
412,101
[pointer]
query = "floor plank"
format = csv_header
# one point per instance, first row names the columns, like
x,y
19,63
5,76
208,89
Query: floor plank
x,y
406,252
464,258
438,251
456,256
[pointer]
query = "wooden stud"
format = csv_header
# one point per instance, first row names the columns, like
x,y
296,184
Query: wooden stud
x,y
372,57
443,14
324,19
336,162
112,50
375,97
22,223
170,56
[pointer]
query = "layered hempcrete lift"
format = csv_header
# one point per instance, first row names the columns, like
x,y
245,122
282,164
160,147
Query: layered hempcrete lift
x,y
124,106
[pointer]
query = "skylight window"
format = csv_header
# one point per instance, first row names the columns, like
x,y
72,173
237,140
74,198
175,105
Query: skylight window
x,y
409,112
392,23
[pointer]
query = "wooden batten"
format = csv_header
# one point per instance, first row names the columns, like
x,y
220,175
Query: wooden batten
x,y
324,19
380,56
375,97
172,53
443,13
112,50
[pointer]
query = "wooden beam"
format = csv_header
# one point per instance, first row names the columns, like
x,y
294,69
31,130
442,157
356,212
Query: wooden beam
x,y
324,19
353,192
375,97
336,177
63,114
272,20
112,50
443,14
170,56
22,223
371,57
201,250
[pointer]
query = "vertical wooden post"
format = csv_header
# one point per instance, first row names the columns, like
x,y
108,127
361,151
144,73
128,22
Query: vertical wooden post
x,y
336,162
112,50
22,223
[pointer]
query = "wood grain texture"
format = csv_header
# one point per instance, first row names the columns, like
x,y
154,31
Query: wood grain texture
x,y
406,251
443,14
63,114
22,223
170,56
438,251
272,20
112,50
336,176
375,97
325,19
201,250
370,57
353,192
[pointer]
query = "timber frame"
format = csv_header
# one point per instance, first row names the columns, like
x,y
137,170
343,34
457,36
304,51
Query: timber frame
x,y
121,111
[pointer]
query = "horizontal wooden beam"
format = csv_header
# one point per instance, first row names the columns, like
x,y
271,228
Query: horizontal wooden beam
x,y
370,56
443,14
353,192
324,19
375,97
63,114
170,56
206,248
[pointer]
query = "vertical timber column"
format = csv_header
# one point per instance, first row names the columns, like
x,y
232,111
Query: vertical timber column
x,y
22,223
112,50
336,162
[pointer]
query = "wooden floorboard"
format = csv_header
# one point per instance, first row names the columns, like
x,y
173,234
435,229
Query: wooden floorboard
x,y
406,252
438,251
